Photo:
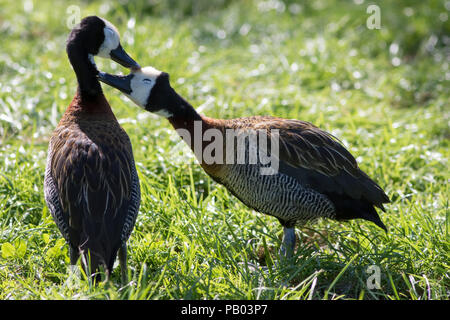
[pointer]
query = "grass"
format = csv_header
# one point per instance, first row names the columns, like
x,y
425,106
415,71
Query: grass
x,y
384,93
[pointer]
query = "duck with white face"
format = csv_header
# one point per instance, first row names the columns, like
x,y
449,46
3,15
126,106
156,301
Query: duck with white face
x,y
317,177
91,185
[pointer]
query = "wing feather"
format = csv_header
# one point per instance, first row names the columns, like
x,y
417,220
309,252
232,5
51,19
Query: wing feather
x,y
317,158
90,187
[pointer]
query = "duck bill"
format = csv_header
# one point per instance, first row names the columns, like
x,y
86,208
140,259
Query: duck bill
x,y
120,56
123,83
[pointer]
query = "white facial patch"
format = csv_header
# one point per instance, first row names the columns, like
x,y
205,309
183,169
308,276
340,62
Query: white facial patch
x,y
111,42
142,84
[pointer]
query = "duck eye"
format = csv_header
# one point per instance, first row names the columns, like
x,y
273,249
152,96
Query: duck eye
x,y
147,80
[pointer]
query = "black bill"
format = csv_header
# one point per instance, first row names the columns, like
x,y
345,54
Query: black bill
x,y
119,82
120,56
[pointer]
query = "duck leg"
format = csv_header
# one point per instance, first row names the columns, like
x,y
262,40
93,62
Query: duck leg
x,y
123,263
74,254
288,245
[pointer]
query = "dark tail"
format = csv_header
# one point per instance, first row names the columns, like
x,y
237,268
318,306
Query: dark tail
x,y
96,249
360,198
348,208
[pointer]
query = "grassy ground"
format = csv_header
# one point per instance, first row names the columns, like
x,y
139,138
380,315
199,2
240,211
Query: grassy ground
x,y
384,93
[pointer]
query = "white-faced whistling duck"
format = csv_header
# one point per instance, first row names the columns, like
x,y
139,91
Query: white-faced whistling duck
x,y
315,177
91,185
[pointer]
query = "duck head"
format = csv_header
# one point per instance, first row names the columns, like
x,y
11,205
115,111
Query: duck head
x,y
150,89
96,36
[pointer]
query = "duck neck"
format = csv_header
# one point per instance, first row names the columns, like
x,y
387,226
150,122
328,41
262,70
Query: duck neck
x,y
89,99
89,87
191,127
182,114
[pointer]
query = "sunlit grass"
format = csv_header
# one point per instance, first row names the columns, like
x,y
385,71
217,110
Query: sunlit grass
x,y
194,240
